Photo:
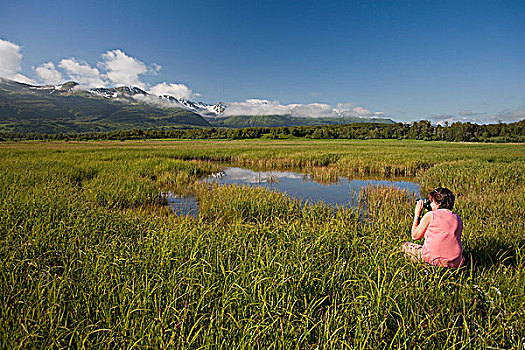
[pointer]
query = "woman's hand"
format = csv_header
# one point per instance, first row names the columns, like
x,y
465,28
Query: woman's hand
x,y
419,228
419,208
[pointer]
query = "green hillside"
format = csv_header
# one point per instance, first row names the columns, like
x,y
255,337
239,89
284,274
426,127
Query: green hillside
x,y
67,109
24,108
240,121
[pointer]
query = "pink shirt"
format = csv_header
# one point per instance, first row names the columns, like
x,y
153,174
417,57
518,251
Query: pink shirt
x,y
442,246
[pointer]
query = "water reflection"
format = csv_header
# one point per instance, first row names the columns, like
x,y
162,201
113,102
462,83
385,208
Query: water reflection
x,y
344,192
182,205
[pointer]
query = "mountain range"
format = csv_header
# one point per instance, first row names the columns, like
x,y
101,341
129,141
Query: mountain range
x,y
68,108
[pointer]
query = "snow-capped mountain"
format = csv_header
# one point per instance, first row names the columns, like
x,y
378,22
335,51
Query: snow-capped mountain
x,y
135,94
72,108
201,108
118,91
69,108
140,95
66,87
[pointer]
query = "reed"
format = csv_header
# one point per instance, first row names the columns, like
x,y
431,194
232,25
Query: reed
x,y
89,258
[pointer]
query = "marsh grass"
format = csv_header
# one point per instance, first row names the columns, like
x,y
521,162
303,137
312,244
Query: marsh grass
x,y
90,259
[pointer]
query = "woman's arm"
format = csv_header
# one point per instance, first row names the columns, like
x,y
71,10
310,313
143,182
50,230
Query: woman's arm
x,y
418,230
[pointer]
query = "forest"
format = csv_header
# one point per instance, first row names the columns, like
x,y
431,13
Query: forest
x,y
421,130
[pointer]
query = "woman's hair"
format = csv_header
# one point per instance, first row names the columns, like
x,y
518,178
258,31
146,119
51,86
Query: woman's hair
x,y
442,196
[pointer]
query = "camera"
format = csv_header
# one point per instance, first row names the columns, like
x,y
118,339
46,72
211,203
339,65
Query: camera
x,y
426,204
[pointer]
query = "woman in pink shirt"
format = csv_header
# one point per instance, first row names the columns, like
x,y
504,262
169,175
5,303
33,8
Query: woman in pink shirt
x,y
442,231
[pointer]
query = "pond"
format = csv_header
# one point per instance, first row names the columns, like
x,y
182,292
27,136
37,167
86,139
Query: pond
x,y
343,192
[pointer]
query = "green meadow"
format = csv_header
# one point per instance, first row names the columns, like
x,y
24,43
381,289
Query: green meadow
x,y
92,257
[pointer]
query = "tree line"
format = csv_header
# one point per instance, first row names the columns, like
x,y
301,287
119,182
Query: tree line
x,y
421,130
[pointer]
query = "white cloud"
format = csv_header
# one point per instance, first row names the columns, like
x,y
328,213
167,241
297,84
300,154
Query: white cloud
x,y
48,73
175,90
441,119
115,69
509,116
11,62
445,121
360,112
159,102
466,113
341,107
122,69
82,73
266,107
10,58
467,116
348,110
256,107
313,110
156,68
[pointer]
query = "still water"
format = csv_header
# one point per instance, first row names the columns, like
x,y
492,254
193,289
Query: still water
x,y
344,192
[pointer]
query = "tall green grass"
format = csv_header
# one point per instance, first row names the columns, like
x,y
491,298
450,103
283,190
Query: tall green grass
x,y
90,258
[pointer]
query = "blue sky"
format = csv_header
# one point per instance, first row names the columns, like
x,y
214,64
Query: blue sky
x,y
408,60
